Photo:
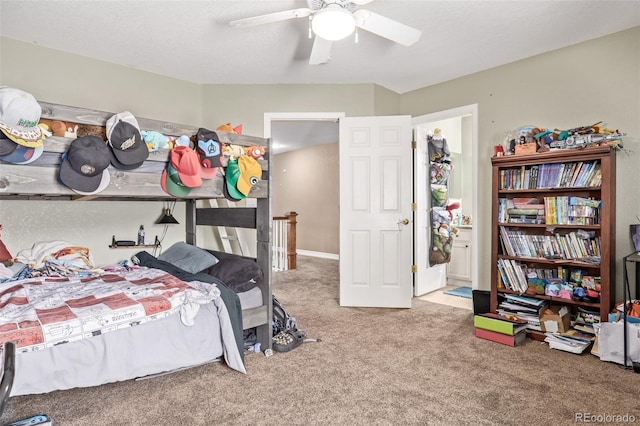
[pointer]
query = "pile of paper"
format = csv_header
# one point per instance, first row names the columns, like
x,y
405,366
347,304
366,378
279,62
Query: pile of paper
x,y
568,343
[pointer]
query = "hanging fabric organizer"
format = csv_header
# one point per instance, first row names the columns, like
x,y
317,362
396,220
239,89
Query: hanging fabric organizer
x,y
442,229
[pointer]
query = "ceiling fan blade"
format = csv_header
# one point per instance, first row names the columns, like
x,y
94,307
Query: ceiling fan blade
x,y
272,17
387,28
321,51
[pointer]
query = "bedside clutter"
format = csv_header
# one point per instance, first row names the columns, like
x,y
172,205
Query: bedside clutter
x,y
508,331
521,316
576,331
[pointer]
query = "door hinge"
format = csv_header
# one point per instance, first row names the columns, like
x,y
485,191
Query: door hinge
x,y
414,144
414,207
414,268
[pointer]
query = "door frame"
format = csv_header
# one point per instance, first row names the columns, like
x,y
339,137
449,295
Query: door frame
x,y
270,117
465,110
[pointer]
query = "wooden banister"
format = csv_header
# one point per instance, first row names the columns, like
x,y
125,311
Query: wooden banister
x,y
292,255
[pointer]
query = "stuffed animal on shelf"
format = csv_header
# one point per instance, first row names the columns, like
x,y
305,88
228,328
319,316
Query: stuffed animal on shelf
x,y
183,140
61,128
256,152
154,140
233,152
227,127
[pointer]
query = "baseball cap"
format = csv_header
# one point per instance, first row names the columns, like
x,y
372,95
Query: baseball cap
x,y
23,155
183,140
209,150
171,183
185,161
250,173
7,146
231,180
19,117
120,166
225,192
123,135
84,165
12,152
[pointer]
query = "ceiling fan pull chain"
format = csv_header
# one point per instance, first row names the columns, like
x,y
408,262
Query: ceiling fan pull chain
x,y
356,35
310,32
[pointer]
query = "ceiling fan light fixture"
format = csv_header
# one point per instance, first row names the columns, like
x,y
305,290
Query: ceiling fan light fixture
x,y
333,23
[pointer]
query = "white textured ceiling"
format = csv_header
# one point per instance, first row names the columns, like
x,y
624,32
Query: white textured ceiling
x,y
192,41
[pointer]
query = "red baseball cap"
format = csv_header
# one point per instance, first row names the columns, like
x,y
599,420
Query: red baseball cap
x,y
186,161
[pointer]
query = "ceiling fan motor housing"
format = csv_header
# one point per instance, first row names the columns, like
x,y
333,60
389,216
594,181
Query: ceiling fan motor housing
x,y
322,4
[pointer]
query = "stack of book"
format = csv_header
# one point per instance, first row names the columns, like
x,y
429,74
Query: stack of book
x,y
581,245
572,341
526,210
524,308
502,329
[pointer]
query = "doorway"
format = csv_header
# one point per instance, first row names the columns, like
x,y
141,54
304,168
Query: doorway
x,y
424,274
305,177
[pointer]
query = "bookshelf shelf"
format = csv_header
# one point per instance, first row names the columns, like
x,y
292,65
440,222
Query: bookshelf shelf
x,y
540,189
551,262
558,300
133,246
549,190
544,225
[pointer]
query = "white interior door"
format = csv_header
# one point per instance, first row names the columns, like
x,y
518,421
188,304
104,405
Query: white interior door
x,y
376,231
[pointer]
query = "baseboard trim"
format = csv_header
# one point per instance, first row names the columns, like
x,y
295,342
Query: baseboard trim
x,y
320,254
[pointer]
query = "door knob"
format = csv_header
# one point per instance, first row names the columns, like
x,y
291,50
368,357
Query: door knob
x,y
404,221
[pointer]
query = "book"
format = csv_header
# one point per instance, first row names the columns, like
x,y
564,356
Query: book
x,y
505,339
499,323
528,203
566,343
526,211
524,300
579,335
533,319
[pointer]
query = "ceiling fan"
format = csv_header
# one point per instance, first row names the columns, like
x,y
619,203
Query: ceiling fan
x,y
333,20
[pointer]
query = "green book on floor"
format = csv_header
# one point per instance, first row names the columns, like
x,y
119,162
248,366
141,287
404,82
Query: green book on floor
x,y
495,322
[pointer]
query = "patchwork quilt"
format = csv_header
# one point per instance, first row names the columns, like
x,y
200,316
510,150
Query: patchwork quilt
x,y
41,312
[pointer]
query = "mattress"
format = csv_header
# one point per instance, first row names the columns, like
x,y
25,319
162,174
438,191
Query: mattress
x,y
87,330
150,348
250,299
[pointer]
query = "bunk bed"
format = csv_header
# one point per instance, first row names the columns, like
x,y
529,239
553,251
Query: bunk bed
x,y
35,370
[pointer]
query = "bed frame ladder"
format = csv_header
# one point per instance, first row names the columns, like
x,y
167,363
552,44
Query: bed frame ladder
x,y
228,235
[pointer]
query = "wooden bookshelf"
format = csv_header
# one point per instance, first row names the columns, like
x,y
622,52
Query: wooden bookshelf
x,y
513,177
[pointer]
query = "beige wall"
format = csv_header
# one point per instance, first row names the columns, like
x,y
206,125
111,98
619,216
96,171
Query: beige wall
x,y
386,102
578,85
78,81
307,181
247,104
62,78
575,86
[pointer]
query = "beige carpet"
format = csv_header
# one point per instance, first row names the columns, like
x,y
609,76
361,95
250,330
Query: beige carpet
x,y
373,367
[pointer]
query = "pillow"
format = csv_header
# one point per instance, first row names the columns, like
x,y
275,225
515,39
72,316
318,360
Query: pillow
x,y
238,273
188,258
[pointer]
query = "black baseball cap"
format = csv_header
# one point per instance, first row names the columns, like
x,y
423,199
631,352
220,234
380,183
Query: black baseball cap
x,y
84,165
